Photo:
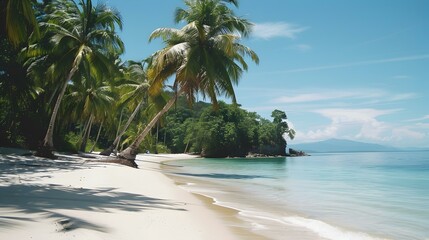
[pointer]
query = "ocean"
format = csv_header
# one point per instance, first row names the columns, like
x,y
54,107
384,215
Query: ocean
x,y
374,195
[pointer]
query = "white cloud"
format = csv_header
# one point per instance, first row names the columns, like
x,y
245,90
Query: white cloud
x,y
321,95
351,124
361,63
344,115
422,125
365,125
404,134
356,114
425,117
300,98
372,96
270,30
402,96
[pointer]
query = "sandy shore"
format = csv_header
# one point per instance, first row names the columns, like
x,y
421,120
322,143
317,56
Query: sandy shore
x,y
72,198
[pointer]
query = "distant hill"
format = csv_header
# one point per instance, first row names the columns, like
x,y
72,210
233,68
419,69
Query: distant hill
x,y
341,145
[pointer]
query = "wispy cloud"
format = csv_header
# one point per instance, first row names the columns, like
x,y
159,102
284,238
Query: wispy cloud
x,y
361,63
422,125
424,118
270,30
354,115
318,95
402,96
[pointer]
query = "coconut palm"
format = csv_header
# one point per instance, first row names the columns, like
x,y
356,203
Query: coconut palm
x,y
81,35
90,100
205,56
134,91
20,21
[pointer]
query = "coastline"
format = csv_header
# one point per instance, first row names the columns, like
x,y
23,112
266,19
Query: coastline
x,y
276,197
252,224
72,197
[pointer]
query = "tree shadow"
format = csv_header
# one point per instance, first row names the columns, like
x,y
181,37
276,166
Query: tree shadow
x,y
22,164
45,200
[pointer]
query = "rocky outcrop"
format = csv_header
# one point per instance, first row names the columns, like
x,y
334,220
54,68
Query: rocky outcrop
x,y
296,153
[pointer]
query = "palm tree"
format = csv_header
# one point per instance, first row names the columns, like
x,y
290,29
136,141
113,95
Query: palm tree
x,y
19,19
90,99
205,56
134,89
82,35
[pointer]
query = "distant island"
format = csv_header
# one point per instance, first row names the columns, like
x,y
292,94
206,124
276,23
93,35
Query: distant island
x,y
342,145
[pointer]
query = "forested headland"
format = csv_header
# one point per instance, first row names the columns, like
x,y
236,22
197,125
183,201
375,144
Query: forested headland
x,y
228,131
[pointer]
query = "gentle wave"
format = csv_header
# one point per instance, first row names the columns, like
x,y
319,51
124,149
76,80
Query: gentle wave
x,y
322,229
327,231
359,195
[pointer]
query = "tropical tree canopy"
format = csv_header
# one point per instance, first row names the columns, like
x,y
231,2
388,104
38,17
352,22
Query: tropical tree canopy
x,y
205,56
70,50
228,131
19,20
82,37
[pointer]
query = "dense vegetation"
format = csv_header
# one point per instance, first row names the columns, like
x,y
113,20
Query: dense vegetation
x,y
64,86
226,131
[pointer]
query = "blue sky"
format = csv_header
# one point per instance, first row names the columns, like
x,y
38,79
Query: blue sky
x,y
356,70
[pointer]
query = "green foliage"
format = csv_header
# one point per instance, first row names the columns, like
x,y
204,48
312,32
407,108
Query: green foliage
x,y
70,142
161,148
22,113
226,131
79,40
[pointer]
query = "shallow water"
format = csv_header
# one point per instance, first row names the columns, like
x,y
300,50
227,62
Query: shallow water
x,y
382,195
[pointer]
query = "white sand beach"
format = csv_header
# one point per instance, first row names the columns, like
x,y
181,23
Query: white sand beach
x,y
71,198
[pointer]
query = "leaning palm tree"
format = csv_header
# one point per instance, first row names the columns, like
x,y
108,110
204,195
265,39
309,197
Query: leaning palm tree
x,y
81,35
205,56
134,91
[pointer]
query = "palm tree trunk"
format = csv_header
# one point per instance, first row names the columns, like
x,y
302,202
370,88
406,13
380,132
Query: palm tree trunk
x,y
86,134
165,136
109,150
84,130
120,122
131,151
157,136
116,146
48,143
96,139
187,145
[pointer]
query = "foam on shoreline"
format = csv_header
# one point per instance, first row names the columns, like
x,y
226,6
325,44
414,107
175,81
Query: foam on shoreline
x,y
271,224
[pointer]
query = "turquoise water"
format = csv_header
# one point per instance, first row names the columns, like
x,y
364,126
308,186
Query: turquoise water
x,y
333,196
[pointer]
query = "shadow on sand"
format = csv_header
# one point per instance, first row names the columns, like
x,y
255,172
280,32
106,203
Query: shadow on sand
x,y
47,199
20,195
22,164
